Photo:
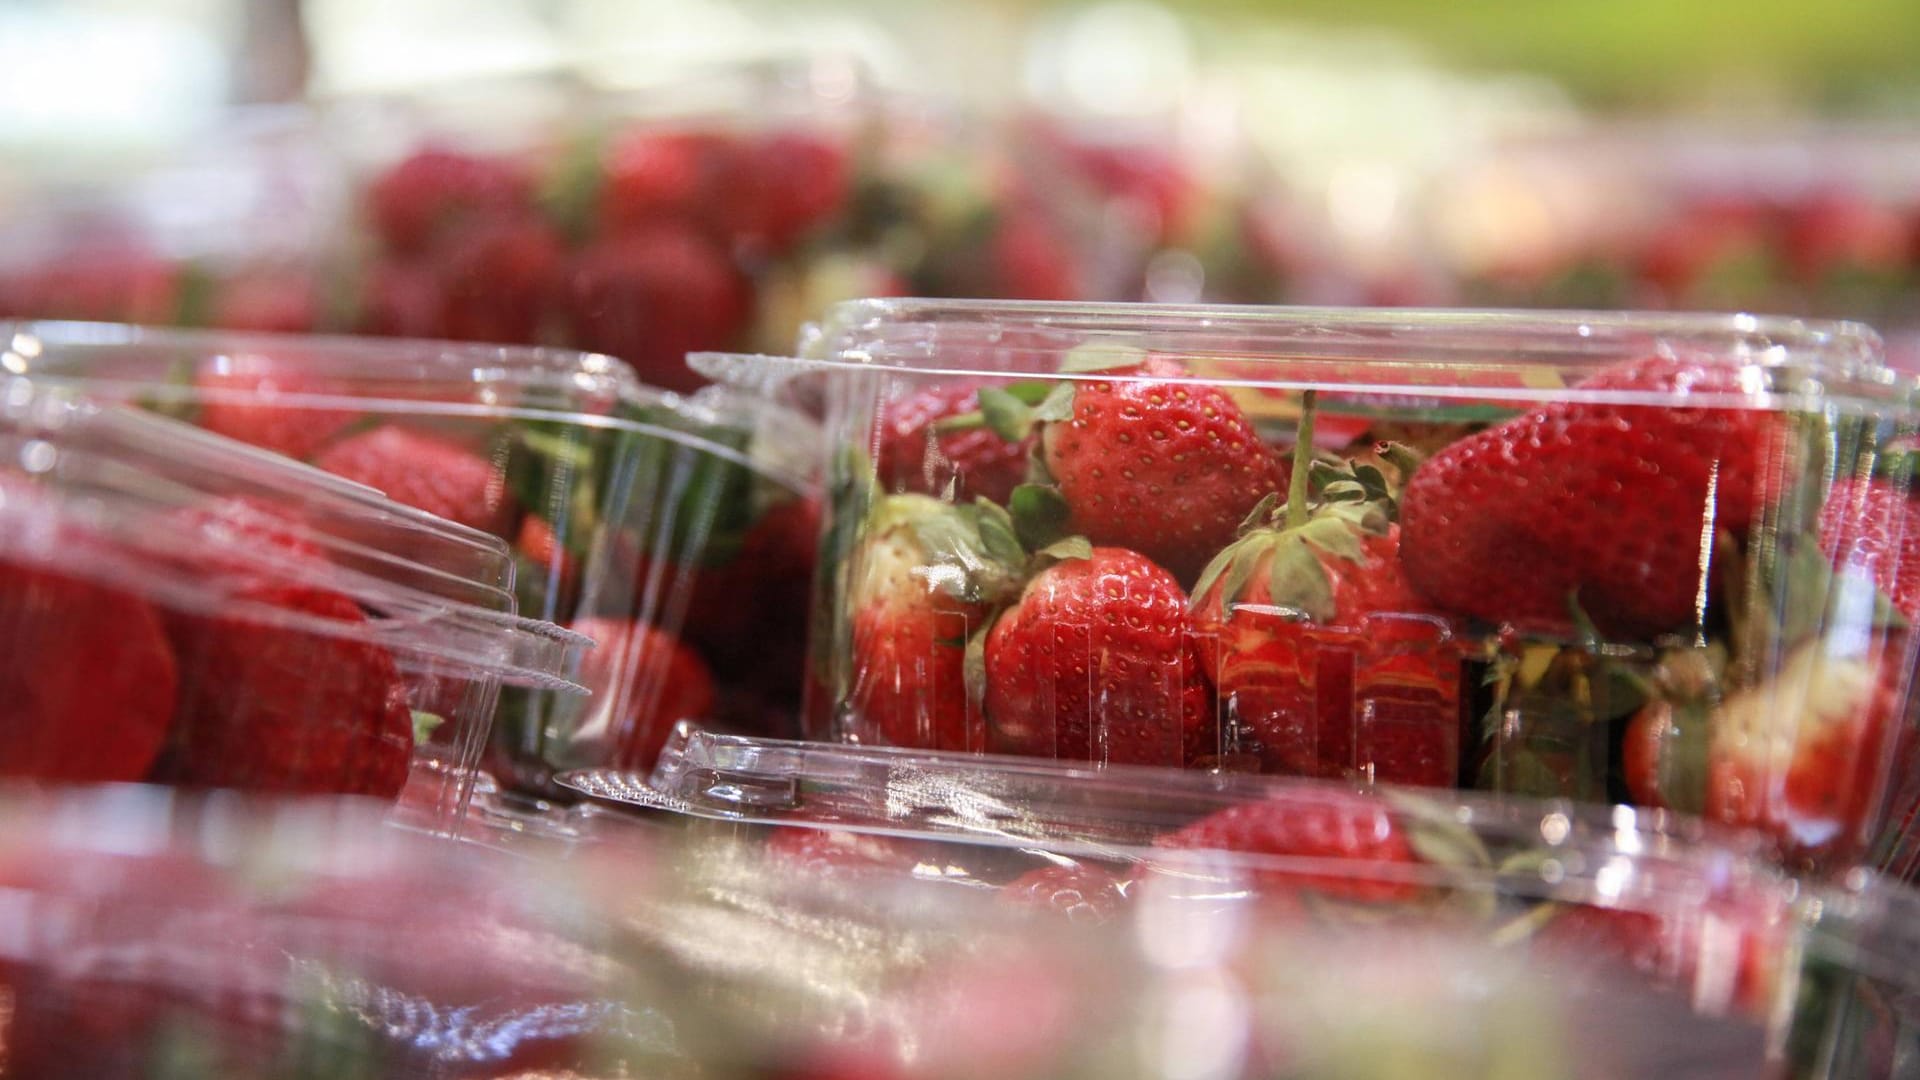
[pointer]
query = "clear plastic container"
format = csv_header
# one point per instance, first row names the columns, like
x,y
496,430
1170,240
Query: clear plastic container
x,y
1614,557
616,499
187,609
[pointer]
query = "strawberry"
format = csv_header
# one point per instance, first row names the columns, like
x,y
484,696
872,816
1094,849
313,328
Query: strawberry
x,y
273,707
1708,245
401,299
1097,662
1027,259
1329,664
1874,527
643,681
241,397
1150,462
652,297
1800,755
1080,891
434,191
548,558
427,473
1607,499
1146,179
920,587
119,282
498,279
935,437
749,615
88,679
1835,231
651,176
784,185
1338,844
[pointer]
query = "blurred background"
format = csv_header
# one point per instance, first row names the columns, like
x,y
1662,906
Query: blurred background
x,y
1629,153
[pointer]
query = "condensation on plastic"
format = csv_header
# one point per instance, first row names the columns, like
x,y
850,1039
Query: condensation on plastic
x,y
1432,375
637,488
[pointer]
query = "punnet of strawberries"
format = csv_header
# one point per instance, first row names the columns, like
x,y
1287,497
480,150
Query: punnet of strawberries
x,y
1650,577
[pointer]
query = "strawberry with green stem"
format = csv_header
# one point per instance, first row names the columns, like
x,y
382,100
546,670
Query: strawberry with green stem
x,y
1142,456
1329,663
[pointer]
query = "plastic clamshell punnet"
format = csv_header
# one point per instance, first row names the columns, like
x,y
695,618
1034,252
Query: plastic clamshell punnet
x,y
186,609
665,527
1648,559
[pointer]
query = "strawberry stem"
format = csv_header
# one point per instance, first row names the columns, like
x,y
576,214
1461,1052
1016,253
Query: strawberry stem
x,y
1302,463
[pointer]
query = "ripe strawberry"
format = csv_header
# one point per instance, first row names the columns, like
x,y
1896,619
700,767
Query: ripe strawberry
x,y
653,296
498,280
1838,231
1146,179
1607,499
1334,843
1148,462
117,282
259,399
1027,259
435,190
1705,245
401,299
1082,892
784,185
425,472
1799,757
1874,527
749,615
915,600
927,444
548,559
88,679
643,681
1329,664
651,176
1097,662
270,707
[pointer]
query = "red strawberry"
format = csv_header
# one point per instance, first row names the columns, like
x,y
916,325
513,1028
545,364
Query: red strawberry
x,y
1027,259
749,615
654,296
653,176
1149,462
1146,179
1337,844
425,472
283,302
1800,756
550,559
1837,231
643,682
1080,891
436,190
784,185
1873,527
1097,662
914,604
272,707
927,443
1708,241
261,400
498,279
1329,664
112,283
1607,499
88,679
401,299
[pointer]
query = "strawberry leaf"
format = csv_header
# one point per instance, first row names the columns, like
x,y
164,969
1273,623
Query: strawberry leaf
x,y
1040,515
1296,579
1241,561
1027,392
1057,405
1333,536
1437,836
1215,567
997,534
1073,547
1262,511
1007,416
974,664
424,724
1405,459
1101,356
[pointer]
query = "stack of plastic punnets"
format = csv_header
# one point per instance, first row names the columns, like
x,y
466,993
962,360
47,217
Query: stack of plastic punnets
x,y
182,608
631,515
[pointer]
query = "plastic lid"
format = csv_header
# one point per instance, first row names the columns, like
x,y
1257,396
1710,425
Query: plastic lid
x,y
1486,355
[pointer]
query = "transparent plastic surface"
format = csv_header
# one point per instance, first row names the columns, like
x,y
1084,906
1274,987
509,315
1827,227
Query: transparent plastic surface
x,y
1649,559
151,933
184,608
617,501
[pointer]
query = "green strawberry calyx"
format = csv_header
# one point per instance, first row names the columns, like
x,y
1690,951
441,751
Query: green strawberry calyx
x,y
1324,518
